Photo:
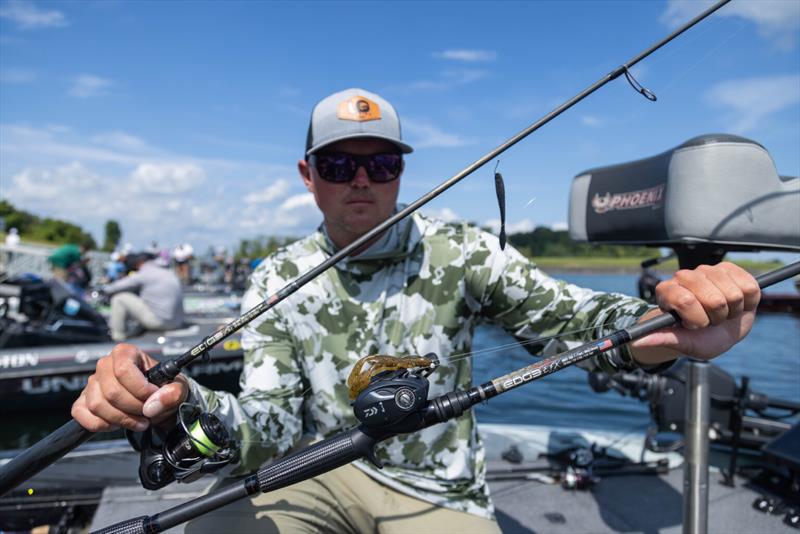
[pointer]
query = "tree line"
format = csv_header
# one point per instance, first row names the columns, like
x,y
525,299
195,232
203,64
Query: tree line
x,y
55,231
540,242
544,241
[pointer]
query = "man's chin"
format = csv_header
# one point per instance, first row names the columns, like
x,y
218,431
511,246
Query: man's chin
x,y
362,224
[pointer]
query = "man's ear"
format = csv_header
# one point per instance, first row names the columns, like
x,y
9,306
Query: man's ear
x,y
305,174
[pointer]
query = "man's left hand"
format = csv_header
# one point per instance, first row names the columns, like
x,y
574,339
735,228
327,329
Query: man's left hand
x,y
716,305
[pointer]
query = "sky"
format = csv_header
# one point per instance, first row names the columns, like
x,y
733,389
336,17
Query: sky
x,y
184,120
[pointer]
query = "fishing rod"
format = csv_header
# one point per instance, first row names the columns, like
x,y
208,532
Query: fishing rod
x,y
72,434
391,400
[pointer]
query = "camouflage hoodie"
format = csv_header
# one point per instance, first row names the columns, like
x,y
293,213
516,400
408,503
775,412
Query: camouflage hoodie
x,y
423,287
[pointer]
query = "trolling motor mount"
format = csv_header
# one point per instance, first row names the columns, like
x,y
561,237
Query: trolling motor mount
x,y
197,445
388,389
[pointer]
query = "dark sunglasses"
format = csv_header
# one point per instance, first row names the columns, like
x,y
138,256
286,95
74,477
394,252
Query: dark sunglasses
x,y
340,167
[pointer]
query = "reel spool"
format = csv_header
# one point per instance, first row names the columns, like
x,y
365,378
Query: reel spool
x,y
198,444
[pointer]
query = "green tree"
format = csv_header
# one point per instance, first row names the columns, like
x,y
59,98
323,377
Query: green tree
x,y
49,230
113,234
543,241
261,246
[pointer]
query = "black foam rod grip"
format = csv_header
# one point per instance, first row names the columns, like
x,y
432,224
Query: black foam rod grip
x,y
317,459
131,526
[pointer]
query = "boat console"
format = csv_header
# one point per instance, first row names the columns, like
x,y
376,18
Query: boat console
x,y
712,194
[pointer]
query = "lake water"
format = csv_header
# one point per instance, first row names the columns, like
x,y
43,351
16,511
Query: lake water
x,y
770,356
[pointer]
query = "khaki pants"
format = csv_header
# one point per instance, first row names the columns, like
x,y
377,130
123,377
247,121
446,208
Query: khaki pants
x,y
344,500
126,306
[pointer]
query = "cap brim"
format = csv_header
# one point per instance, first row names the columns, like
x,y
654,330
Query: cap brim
x,y
404,148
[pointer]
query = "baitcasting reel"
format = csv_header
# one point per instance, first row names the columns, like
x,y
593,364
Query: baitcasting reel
x,y
387,389
198,444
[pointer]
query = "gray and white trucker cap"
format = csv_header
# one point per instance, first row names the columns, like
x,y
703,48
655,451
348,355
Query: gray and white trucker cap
x,y
350,114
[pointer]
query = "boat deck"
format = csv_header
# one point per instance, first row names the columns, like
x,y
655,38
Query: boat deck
x,y
525,503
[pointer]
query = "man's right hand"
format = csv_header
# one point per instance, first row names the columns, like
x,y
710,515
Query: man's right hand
x,y
119,395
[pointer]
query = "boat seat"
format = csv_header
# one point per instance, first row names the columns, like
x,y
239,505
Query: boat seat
x,y
714,189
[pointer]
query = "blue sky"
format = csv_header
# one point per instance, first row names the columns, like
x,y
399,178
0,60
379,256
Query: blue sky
x,y
184,120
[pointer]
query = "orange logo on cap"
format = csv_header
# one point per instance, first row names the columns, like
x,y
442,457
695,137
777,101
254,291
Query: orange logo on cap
x,y
358,108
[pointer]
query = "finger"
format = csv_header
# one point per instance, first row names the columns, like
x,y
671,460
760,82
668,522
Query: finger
x,y
671,296
128,365
87,420
164,402
119,397
706,292
746,283
727,286
100,407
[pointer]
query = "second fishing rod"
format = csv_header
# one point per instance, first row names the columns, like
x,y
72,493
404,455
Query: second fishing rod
x,y
72,434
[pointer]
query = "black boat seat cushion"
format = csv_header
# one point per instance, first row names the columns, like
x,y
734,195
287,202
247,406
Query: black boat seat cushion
x,y
719,188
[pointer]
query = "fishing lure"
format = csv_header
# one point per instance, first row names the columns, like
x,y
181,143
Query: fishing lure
x,y
369,366
500,189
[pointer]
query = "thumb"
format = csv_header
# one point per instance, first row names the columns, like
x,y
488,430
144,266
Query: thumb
x,y
164,402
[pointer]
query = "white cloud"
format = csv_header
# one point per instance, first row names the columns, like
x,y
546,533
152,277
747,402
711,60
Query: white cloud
x,y
300,201
17,76
57,142
270,193
174,204
444,214
448,79
776,20
751,100
525,225
425,135
296,214
591,120
28,17
120,140
167,178
54,171
559,226
87,86
466,55
48,184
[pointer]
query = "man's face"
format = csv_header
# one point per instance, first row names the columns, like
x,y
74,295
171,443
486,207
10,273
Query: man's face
x,y
352,208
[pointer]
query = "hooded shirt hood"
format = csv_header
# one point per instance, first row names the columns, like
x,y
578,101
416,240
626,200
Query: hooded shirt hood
x,y
393,246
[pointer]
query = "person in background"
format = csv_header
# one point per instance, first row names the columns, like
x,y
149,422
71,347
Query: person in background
x,y
151,297
66,262
12,242
115,268
12,238
85,273
183,256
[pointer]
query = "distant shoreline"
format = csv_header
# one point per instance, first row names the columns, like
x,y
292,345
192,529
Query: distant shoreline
x,y
630,265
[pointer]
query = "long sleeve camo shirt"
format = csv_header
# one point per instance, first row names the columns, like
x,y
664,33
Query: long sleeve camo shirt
x,y
423,287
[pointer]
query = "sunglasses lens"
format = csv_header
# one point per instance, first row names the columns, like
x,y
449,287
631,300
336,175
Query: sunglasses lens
x,y
384,167
335,167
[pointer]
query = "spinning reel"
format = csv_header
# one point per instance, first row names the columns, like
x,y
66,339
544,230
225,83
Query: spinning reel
x,y
387,389
198,444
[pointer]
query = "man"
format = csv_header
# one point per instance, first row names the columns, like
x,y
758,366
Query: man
x,y
151,298
420,287
12,242
68,266
183,255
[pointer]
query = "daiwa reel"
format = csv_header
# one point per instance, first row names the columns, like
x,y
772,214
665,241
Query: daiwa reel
x,y
198,444
385,390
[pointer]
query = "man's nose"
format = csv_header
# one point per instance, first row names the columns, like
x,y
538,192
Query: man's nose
x,y
361,179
